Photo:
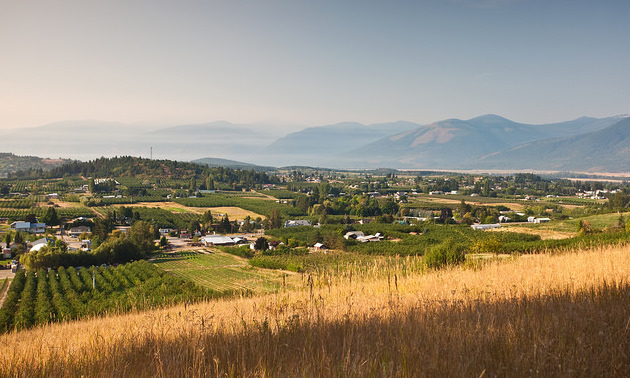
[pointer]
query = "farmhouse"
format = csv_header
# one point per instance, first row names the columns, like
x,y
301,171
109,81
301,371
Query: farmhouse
x,y
33,228
76,231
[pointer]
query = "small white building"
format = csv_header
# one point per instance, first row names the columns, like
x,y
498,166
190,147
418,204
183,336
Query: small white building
x,y
209,240
371,238
485,226
319,246
296,223
353,235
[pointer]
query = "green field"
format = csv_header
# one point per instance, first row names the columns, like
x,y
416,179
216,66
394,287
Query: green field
x,y
598,222
220,271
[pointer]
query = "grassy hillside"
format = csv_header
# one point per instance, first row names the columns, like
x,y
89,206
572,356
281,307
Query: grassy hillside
x,y
536,315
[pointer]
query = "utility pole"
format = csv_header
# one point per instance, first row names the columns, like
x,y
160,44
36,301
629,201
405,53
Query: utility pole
x,y
151,154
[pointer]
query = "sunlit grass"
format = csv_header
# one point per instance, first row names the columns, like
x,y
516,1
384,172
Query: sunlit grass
x,y
537,315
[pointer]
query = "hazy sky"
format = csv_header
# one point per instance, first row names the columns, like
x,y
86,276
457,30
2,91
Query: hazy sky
x,y
311,62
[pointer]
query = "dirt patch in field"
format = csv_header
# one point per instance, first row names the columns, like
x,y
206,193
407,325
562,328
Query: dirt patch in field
x,y
163,205
544,234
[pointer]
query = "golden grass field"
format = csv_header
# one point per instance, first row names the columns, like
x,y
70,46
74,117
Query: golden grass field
x,y
233,213
540,315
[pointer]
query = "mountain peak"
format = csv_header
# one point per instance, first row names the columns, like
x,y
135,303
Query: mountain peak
x,y
490,118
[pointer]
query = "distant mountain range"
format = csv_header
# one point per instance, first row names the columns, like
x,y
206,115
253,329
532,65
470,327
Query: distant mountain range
x,y
605,150
485,142
459,144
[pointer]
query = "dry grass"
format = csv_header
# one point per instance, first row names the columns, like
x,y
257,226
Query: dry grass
x,y
233,213
543,233
563,315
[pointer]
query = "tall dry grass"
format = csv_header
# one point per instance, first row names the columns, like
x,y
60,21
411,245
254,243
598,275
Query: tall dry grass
x,y
562,315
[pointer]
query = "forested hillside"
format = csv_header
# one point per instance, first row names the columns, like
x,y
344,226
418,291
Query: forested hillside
x,y
128,166
10,163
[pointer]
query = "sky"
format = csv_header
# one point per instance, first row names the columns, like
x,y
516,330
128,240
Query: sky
x,y
309,63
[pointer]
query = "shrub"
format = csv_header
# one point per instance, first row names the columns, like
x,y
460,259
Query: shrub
x,y
445,254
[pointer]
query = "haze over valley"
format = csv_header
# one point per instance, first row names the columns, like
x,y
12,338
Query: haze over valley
x,y
487,142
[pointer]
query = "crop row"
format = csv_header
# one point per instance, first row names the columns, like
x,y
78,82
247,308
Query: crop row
x,y
64,212
259,206
17,204
68,294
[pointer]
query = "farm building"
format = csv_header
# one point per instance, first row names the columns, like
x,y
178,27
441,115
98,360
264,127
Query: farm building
x,y
76,231
221,240
485,226
353,235
296,223
33,228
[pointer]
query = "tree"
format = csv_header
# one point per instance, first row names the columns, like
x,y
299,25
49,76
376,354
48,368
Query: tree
x,y
621,222
446,214
209,183
261,244
143,235
389,207
19,239
163,241
247,224
486,188
7,239
207,217
102,228
274,219
50,217
468,219
193,226
584,227
464,208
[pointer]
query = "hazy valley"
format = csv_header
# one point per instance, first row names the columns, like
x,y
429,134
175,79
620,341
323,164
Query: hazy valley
x,y
485,142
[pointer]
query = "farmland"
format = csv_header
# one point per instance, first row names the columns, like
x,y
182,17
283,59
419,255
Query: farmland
x,y
221,272
432,296
42,297
512,317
